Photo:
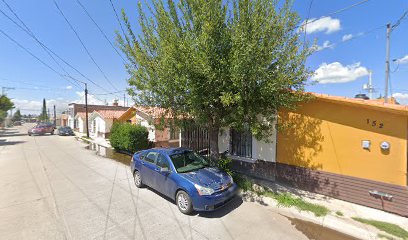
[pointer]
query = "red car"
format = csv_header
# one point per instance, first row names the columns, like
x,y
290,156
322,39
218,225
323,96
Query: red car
x,y
42,129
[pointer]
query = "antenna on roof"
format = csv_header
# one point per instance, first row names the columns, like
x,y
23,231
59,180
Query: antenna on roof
x,y
369,87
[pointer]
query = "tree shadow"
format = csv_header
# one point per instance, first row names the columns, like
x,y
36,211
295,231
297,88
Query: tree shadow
x,y
299,142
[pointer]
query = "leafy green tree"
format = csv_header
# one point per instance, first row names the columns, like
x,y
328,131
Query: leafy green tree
x,y
43,116
5,105
224,64
17,115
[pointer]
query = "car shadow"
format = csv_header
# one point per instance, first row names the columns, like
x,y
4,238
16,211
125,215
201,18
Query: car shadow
x,y
224,210
230,206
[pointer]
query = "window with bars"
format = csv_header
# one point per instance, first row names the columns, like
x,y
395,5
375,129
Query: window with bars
x,y
174,133
241,143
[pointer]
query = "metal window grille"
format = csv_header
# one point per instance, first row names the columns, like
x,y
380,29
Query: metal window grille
x,y
241,143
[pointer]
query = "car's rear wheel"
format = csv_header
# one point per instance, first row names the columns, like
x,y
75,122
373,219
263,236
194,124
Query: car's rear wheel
x,y
137,179
184,202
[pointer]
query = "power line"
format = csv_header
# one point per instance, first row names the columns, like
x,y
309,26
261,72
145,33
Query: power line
x,y
399,20
83,45
30,33
29,52
100,30
331,14
307,19
117,17
355,37
100,94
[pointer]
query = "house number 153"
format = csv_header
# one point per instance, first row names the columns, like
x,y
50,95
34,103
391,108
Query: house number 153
x,y
375,123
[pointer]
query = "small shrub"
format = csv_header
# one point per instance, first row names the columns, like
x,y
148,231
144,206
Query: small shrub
x,y
389,228
225,164
288,200
338,213
242,182
128,137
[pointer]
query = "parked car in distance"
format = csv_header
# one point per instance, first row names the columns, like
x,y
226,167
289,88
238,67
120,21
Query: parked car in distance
x,y
17,123
184,176
65,131
42,129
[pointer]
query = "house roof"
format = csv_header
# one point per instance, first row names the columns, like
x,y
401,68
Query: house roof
x,y
154,112
109,114
371,104
80,115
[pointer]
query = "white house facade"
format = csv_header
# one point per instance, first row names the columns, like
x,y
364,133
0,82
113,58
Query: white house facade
x,y
101,122
243,146
80,122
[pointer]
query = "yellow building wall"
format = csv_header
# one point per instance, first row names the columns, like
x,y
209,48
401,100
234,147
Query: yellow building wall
x,y
328,136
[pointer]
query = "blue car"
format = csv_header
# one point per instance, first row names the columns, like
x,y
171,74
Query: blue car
x,y
185,176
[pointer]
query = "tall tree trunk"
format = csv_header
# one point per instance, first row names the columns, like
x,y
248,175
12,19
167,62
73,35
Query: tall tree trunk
x,y
213,137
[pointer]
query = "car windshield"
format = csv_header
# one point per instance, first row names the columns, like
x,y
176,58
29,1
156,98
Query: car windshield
x,y
188,161
65,128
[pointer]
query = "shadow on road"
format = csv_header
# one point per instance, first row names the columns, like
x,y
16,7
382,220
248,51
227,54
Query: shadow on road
x,y
222,211
12,134
4,142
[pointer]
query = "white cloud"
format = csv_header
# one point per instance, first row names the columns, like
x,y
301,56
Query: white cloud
x,y
324,24
34,107
61,104
337,73
403,60
68,87
326,44
402,98
347,37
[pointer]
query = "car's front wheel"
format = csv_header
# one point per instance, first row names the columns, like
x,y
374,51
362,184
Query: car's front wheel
x,y
184,202
137,179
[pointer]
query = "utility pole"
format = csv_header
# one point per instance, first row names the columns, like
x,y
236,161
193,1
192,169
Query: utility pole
x,y
55,117
86,110
387,63
124,100
4,89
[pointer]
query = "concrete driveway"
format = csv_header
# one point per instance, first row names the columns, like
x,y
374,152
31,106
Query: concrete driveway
x,y
53,188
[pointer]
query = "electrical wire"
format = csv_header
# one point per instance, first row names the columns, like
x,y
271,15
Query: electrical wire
x,y
117,17
38,59
356,36
83,45
31,34
28,31
399,20
100,94
331,14
100,30
307,19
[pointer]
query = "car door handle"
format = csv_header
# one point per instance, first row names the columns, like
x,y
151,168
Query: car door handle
x,y
157,169
142,163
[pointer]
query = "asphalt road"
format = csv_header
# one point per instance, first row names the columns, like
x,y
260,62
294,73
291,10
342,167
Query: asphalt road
x,y
53,188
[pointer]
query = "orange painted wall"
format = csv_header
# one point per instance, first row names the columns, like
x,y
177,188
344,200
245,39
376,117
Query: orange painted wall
x,y
327,136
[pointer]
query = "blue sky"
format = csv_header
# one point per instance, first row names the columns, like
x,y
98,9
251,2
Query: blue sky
x,y
341,66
